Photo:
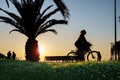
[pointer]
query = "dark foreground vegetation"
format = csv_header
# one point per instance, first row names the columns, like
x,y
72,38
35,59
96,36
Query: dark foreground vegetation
x,y
23,70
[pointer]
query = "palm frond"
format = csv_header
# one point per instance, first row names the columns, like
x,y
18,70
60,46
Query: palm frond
x,y
49,24
52,22
42,20
62,7
50,30
50,14
46,10
29,1
7,3
8,20
38,4
23,2
47,30
17,6
12,22
12,15
18,30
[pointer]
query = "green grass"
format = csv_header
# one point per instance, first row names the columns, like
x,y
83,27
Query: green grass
x,y
23,70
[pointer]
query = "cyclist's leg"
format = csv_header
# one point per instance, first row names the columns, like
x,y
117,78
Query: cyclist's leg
x,y
81,55
78,52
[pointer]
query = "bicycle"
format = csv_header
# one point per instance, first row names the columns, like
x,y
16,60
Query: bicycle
x,y
91,55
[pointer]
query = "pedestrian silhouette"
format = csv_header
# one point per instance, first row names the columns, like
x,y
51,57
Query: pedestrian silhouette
x,y
9,55
13,56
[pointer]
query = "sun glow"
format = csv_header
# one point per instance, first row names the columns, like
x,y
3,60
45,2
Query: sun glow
x,y
41,49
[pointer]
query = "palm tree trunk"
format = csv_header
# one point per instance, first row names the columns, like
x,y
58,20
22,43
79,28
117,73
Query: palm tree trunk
x,y
31,50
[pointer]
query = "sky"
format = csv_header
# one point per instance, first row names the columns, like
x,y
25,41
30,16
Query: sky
x,y
95,16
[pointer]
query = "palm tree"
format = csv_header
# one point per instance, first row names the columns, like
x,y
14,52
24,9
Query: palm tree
x,y
31,22
115,48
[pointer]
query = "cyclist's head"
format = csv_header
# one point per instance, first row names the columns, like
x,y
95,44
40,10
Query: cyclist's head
x,y
83,32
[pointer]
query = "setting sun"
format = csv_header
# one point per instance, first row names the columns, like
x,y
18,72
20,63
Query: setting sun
x,y
41,49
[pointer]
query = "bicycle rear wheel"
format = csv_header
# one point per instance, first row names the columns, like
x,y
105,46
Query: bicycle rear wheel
x,y
73,56
72,53
94,56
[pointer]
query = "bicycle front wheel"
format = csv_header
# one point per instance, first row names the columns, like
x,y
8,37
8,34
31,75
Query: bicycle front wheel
x,y
94,56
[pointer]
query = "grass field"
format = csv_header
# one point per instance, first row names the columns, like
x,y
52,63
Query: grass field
x,y
23,70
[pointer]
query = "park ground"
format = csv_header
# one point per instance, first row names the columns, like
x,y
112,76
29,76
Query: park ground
x,y
24,70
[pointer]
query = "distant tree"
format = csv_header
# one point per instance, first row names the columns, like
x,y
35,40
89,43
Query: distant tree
x,y
31,21
117,49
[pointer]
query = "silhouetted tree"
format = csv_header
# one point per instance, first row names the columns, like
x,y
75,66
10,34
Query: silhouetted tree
x,y
117,48
32,21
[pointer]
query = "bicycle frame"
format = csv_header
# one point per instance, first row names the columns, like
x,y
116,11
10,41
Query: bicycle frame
x,y
78,53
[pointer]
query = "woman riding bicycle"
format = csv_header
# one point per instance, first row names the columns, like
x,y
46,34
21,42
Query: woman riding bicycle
x,y
82,44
